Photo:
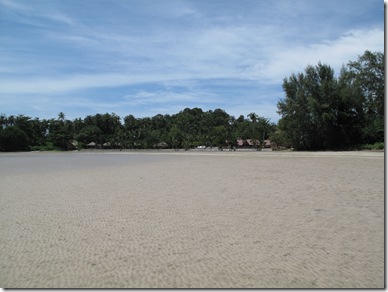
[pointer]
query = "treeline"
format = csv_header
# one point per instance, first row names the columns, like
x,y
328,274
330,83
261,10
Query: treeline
x,y
321,111
186,129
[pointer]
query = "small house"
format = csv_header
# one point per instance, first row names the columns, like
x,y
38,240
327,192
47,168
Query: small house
x,y
161,145
91,145
248,143
269,144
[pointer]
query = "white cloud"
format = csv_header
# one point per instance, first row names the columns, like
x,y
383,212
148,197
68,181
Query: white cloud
x,y
36,9
116,57
15,6
146,97
60,84
292,59
164,97
188,49
63,84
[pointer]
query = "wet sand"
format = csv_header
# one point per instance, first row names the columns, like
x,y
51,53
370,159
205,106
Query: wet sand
x,y
192,219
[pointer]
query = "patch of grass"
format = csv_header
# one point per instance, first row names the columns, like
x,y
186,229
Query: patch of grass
x,y
375,146
48,147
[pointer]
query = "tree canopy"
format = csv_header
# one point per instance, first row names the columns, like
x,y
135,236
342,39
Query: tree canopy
x,y
186,129
321,111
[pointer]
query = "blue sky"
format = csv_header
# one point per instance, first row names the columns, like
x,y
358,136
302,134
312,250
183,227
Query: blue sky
x,y
145,57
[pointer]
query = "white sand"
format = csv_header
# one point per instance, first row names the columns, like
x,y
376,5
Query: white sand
x,y
214,220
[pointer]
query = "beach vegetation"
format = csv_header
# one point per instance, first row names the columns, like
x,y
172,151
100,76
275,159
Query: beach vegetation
x,y
187,129
375,146
13,138
320,110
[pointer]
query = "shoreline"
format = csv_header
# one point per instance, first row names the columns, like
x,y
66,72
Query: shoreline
x,y
214,150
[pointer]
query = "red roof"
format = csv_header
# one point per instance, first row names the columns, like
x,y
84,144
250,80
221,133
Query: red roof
x,y
248,142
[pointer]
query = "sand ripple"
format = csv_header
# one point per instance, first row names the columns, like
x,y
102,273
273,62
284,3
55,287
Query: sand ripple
x,y
246,220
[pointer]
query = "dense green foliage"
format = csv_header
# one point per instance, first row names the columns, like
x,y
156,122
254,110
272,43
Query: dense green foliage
x,y
321,111
13,139
189,128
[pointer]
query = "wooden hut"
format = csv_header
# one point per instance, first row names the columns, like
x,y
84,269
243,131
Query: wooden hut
x,y
91,145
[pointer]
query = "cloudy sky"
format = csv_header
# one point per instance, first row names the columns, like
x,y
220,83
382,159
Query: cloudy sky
x,y
145,57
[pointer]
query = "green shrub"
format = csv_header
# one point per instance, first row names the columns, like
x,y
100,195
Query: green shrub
x,y
379,145
13,138
48,147
376,146
80,146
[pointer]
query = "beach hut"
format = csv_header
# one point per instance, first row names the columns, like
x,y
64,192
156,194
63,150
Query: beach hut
x,y
248,143
240,143
161,145
253,143
72,145
91,145
267,144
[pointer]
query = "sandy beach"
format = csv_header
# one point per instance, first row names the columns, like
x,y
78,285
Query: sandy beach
x,y
192,220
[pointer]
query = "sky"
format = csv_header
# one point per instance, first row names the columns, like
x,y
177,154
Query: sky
x,y
148,57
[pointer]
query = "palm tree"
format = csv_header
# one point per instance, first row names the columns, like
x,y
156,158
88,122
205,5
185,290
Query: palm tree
x,y
61,116
3,121
253,117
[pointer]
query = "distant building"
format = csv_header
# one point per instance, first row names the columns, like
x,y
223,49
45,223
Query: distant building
x,y
91,145
161,145
247,143
269,144
72,145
